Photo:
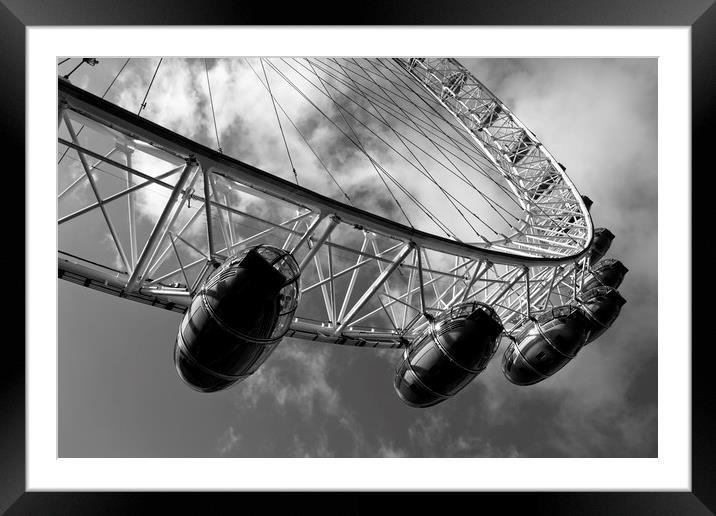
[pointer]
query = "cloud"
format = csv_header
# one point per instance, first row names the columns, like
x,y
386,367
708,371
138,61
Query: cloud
x,y
596,116
228,441
248,129
477,447
427,430
439,433
319,449
295,376
389,450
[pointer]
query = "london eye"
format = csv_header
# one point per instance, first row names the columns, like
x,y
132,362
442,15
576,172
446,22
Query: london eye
x,y
376,203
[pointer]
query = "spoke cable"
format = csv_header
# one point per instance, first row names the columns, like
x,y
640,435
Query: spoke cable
x,y
308,144
357,144
213,112
556,223
341,109
273,101
427,174
432,216
144,101
462,178
378,99
495,206
395,98
362,148
450,196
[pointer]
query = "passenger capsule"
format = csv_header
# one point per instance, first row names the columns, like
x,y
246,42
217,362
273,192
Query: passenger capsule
x,y
601,306
600,245
237,318
546,345
606,273
521,149
454,348
455,82
490,117
587,202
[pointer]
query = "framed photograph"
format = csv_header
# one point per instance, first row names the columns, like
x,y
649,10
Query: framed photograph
x,y
431,240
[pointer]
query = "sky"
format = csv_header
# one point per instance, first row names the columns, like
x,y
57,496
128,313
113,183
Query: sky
x,y
119,395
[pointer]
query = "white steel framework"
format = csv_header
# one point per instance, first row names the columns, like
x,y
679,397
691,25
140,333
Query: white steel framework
x,y
367,279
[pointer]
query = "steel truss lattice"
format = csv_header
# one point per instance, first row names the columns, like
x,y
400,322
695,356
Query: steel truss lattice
x,y
366,280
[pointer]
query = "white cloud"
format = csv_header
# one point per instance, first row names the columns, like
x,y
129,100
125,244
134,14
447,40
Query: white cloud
x,y
428,430
389,450
608,144
320,449
228,441
295,376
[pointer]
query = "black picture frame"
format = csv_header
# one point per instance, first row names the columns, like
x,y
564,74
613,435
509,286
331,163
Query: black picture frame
x,y
700,15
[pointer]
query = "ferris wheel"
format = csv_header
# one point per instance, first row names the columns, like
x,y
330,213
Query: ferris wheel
x,y
384,203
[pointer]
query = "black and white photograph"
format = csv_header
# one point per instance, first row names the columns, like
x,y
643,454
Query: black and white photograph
x,y
374,257
444,252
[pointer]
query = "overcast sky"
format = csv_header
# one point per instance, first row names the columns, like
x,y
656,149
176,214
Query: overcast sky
x,y
119,395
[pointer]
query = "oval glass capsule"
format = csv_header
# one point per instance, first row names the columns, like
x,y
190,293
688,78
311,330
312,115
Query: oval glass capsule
x,y
607,273
601,306
454,348
237,318
600,244
545,345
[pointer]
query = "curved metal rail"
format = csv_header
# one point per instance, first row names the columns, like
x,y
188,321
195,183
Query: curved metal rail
x,y
367,280
554,211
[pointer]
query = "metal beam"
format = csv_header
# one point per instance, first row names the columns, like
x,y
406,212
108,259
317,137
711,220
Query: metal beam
x,y
309,231
105,112
404,252
321,239
475,276
88,172
420,280
207,207
131,209
111,198
496,296
160,228
351,283
80,178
